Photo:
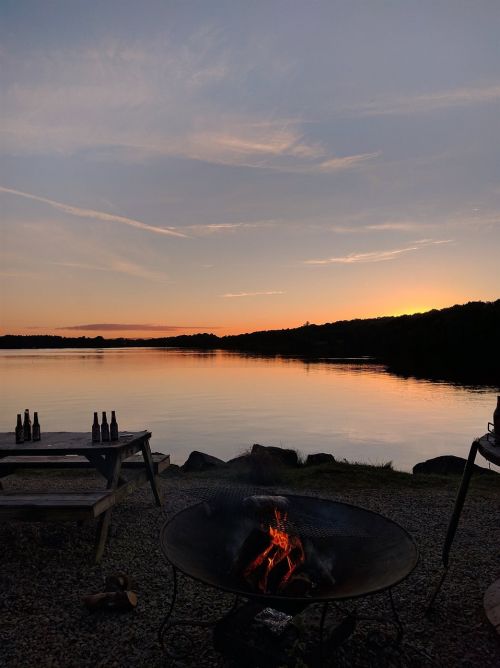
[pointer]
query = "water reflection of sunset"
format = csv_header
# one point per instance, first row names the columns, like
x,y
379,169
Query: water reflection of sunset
x,y
224,402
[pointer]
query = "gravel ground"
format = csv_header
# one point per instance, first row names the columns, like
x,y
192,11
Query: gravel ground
x,y
47,567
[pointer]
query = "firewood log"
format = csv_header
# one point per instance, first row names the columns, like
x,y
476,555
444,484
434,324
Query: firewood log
x,y
115,600
299,585
265,503
255,543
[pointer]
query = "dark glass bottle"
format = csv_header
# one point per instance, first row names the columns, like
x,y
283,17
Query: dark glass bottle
x,y
113,427
36,433
27,426
96,430
496,420
19,429
104,427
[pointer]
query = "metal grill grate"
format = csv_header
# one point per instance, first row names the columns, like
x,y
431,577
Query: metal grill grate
x,y
298,521
311,527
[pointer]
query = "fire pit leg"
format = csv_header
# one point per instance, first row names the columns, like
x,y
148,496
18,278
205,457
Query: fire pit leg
x,y
163,625
324,610
397,621
168,623
321,631
336,636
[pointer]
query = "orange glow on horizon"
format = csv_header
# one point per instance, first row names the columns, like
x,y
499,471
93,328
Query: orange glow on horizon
x,y
230,329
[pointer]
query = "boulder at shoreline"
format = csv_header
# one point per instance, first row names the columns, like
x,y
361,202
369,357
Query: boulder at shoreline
x,y
201,461
446,465
281,455
320,458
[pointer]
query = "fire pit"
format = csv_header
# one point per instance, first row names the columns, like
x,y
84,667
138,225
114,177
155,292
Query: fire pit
x,y
287,552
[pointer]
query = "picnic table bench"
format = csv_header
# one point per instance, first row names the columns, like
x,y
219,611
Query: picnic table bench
x,y
126,464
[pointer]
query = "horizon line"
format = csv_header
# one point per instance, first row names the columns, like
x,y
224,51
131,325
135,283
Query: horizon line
x,y
306,324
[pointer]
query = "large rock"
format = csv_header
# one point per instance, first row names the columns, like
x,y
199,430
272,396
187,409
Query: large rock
x,y
446,465
281,455
264,465
319,458
200,461
241,460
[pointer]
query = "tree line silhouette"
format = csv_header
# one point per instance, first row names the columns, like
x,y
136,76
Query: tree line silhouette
x,y
459,343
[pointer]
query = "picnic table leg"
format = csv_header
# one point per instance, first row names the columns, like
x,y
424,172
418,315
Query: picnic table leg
x,y
99,463
115,464
148,463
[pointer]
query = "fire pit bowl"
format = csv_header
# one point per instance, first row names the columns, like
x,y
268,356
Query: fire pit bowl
x,y
357,551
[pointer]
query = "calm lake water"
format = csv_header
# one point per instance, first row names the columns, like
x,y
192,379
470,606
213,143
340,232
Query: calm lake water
x,y
222,403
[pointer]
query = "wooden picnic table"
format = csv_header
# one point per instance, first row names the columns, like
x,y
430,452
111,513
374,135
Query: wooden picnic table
x,y
113,459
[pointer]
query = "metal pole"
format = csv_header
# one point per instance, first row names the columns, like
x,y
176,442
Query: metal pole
x,y
454,520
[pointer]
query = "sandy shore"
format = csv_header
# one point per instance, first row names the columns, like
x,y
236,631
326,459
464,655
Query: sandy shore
x,y
46,568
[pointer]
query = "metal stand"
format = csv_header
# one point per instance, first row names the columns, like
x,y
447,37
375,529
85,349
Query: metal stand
x,y
337,635
168,624
453,524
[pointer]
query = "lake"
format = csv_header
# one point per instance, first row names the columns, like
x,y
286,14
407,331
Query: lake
x,y
222,402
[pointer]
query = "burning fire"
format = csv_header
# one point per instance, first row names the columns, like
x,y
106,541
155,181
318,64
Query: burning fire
x,y
278,561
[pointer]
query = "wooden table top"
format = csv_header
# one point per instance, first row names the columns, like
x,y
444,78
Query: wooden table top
x,y
489,447
69,443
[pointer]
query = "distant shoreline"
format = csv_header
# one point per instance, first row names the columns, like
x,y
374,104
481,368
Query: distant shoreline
x,y
458,344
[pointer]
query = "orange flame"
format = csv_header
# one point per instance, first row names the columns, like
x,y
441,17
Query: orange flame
x,y
282,548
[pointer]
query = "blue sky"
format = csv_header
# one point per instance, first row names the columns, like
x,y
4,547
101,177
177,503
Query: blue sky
x,y
232,166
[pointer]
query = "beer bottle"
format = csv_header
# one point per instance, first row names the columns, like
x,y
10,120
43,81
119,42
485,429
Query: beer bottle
x,y
96,431
104,428
36,427
27,426
496,420
19,430
113,427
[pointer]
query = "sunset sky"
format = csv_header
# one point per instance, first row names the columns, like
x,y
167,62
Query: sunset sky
x,y
173,166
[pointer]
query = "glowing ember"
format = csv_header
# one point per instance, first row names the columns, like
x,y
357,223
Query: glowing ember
x,y
282,556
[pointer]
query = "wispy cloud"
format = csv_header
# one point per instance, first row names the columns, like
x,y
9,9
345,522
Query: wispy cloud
x,y
345,162
378,256
450,220
277,145
253,294
57,116
137,327
277,142
412,104
216,228
344,229
257,147
95,215
118,265
396,226
61,99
